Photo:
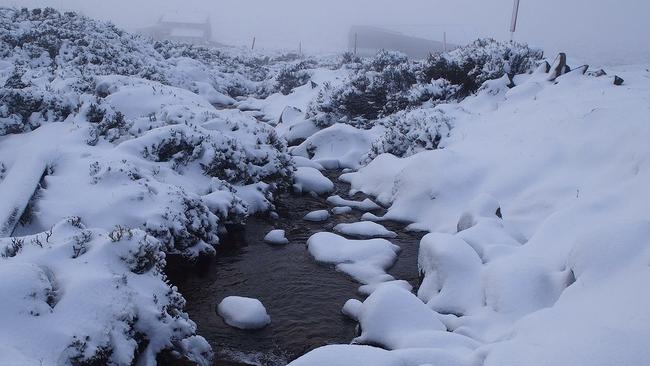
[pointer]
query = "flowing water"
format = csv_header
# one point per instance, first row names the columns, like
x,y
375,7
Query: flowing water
x,y
303,298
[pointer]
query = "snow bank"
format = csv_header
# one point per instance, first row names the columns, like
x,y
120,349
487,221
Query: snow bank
x,y
276,237
243,312
365,260
365,229
533,229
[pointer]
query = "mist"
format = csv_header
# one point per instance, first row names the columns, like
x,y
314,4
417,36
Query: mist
x,y
597,32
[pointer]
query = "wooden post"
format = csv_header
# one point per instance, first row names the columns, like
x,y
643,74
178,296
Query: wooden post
x,y
253,46
300,48
356,38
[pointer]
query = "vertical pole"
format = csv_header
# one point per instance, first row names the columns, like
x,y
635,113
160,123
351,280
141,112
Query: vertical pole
x,y
356,38
300,48
253,46
444,41
513,22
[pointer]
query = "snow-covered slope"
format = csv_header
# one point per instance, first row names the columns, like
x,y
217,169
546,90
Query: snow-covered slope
x,y
115,152
537,203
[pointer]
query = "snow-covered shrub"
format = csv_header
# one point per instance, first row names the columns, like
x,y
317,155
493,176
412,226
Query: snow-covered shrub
x,y
484,59
286,77
23,110
112,128
186,225
141,315
409,132
389,82
291,77
378,89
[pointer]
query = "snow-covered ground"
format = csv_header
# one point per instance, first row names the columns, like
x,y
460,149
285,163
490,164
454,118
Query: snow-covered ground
x,y
537,207
116,152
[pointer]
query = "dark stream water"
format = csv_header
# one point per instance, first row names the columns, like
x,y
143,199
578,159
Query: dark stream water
x,y
303,298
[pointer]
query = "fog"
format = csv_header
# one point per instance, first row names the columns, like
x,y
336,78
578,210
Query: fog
x,y
601,32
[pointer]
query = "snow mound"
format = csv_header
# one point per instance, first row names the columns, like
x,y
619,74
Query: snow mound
x,y
365,260
243,313
300,161
317,216
365,205
394,318
343,355
352,309
365,229
336,147
369,289
308,179
341,210
276,237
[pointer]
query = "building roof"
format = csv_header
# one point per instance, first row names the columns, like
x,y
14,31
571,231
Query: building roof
x,y
186,18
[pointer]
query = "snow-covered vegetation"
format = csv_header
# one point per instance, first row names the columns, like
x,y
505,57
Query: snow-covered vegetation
x,y
117,152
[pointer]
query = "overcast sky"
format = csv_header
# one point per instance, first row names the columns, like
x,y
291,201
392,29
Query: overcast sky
x,y
596,31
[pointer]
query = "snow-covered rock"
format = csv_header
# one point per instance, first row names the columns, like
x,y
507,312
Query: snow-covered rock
x,y
243,312
366,229
308,179
317,216
336,147
276,237
365,205
364,260
341,210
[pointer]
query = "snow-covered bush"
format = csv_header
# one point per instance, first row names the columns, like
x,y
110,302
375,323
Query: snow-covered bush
x,y
23,110
291,77
389,82
377,89
409,132
484,59
45,285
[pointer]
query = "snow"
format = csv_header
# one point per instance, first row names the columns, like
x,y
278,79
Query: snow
x,y
341,210
569,255
18,187
276,237
369,289
364,260
317,216
336,147
338,355
243,313
365,205
300,161
365,229
308,179
533,191
54,282
352,309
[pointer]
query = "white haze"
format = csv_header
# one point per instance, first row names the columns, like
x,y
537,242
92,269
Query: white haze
x,y
601,32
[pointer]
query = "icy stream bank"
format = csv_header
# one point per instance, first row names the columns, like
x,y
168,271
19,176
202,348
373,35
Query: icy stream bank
x,y
303,297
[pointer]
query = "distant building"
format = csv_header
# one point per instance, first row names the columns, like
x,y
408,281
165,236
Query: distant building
x,y
369,40
196,29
